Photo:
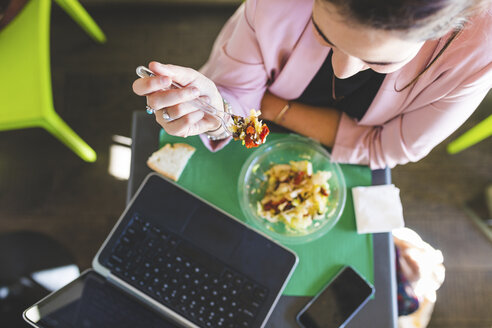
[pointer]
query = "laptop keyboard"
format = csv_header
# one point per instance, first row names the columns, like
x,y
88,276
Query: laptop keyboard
x,y
184,278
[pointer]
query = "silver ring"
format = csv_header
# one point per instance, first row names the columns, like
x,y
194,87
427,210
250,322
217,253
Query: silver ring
x,y
149,110
165,115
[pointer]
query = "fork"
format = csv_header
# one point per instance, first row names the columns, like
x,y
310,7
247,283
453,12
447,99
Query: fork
x,y
143,71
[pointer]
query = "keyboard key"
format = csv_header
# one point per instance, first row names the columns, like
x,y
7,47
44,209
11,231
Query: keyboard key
x,y
260,293
248,313
116,260
238,281
244,323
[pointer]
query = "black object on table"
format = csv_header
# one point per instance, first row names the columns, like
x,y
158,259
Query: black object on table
x,y
22,253
380,312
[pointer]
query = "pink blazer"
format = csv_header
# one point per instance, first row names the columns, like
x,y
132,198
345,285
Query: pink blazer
x,y
269,44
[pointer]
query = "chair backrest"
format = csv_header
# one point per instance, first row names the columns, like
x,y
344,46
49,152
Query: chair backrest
x,y
25,79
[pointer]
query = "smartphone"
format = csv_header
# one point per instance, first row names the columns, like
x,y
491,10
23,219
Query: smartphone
x,y
338,302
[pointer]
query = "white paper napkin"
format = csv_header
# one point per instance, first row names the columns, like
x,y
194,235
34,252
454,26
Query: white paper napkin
x,y
377,208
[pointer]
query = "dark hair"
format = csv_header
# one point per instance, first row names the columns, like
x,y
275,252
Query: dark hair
x,y
416,19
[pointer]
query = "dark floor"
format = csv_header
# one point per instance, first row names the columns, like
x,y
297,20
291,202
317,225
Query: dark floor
x,y
45,187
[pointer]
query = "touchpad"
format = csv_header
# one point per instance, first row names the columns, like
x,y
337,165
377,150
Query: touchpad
x,y
214,231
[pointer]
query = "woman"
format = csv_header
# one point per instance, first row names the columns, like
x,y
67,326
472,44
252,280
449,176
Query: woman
x,y
381,82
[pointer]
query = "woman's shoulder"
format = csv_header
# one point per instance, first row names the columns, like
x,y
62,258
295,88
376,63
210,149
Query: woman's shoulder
x,y
479,28
282,5
471,50
267,12
465,65
279,24
475,39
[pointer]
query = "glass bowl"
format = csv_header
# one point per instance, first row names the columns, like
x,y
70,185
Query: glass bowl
x,y
253,183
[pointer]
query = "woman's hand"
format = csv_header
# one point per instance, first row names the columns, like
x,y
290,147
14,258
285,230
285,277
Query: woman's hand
x,y
184,118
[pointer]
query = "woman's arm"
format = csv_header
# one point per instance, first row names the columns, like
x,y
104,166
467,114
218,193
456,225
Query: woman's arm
x,y
405,138
410,136
319,123
236,66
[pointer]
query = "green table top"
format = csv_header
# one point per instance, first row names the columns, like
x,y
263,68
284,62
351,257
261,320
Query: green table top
x,y
213,176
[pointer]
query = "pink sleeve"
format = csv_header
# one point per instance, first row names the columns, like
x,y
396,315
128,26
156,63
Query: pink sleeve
x,y
236,66
411,135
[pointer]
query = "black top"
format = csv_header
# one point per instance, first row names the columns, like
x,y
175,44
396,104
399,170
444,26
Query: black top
x,y
353,95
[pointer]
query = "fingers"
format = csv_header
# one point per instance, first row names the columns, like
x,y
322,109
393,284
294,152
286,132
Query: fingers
x,y
179,74
177,111
186,119
180,110
182,116
145,86
184,126
168,98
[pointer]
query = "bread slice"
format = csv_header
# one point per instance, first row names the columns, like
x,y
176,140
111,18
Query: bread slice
x,y
171,160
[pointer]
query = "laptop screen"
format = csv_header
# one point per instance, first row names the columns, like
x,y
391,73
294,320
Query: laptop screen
x,y
92,302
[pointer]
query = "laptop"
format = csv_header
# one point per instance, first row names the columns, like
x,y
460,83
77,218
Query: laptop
x,y
173,260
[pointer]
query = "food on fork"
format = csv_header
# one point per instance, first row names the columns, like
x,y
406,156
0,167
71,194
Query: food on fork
x,y
171,160
249,130
295,195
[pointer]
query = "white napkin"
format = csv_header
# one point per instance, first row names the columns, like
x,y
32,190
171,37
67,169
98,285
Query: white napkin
x,y
377,208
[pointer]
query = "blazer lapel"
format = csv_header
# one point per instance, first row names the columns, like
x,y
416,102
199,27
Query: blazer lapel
x,y
303,64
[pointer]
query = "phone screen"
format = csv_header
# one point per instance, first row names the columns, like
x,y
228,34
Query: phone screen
x,y
338,302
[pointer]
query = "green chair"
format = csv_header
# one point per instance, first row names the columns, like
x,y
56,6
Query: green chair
x,y
476,134
26,98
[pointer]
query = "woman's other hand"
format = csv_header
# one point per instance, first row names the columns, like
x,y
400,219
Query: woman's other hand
x,y
183,119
